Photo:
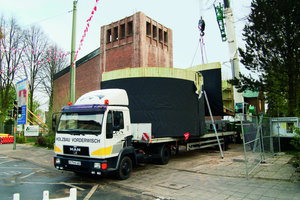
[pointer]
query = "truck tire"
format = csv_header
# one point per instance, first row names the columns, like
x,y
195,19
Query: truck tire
x,y
164,155
125,168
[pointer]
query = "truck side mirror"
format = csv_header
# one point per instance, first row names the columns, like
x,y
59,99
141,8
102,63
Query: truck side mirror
x,y
109,130
54,120
109,125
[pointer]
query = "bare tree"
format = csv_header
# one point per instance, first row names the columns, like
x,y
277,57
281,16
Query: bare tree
x,y
11,50
33,61
56,60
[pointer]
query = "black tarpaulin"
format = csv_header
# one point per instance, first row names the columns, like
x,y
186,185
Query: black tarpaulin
x,y
170,104
213,87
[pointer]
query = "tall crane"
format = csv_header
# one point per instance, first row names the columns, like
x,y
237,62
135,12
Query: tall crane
x,y
229,35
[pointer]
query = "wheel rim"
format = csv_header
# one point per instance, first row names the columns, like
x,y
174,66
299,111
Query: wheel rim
x,y
126,168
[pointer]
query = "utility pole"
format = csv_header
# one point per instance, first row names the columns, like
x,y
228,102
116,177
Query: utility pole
x,y
73,67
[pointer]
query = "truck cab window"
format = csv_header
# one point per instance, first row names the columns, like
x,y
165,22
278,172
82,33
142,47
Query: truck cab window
x,y
118,119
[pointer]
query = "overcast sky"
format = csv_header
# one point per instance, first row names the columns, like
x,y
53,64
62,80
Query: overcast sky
x,y
182,17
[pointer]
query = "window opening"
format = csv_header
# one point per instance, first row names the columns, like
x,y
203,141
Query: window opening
x,y
154,32
108,36
165,37
129,28
122,31
148,29
116,34
160,35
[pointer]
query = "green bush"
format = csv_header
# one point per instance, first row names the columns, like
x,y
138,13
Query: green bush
x,y
296,139
46,140
8,126
296,143
50,140
20,139
41,141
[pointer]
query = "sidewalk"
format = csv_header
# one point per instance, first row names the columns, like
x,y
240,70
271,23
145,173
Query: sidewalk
x,y
36,155
194,175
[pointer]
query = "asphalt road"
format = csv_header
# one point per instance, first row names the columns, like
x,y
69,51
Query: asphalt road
x,y
29,180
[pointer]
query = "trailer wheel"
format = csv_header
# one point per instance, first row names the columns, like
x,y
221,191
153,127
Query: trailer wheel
x,y
125,168
164,155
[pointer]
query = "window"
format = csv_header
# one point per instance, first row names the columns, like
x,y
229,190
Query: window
x,y
115,119
80,123
108,36
148,29
122,31
165,37
129,28
118,119
116,34
160,35
154,29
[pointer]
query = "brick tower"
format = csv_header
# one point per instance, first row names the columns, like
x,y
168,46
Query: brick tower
x,y
135,41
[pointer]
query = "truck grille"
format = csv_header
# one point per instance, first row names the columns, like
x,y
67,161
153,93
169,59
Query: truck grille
x,y
76,150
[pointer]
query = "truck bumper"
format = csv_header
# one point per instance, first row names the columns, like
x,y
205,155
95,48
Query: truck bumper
x,y
81,165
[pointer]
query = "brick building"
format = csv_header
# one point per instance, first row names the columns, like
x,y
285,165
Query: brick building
x,y
135,41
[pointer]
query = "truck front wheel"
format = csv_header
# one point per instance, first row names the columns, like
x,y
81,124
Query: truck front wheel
x,y
125,168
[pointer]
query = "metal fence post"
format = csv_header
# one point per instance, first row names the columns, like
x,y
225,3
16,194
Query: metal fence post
x,y
262,139
278,135
245,151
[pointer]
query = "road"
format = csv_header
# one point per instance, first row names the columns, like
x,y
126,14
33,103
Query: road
x,y
17,176
201,174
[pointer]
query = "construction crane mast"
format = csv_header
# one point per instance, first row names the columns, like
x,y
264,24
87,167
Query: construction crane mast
x,y
229,35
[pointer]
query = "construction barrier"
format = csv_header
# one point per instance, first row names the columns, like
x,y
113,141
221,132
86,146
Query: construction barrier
x,y
73,195
6,140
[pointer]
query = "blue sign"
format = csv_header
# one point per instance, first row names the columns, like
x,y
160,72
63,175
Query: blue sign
x,y
22,119
22,95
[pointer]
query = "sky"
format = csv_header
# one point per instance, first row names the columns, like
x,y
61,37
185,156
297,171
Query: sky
x,y
55,18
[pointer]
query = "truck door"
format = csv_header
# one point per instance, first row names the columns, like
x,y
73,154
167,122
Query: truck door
x,y
115,130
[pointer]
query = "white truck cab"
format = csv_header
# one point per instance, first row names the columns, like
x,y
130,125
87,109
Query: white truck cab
x,y
94,135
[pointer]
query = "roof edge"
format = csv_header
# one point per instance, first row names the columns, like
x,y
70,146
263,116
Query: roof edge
x,y
79,62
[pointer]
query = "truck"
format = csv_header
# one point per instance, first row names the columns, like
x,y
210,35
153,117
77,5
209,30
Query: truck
x,y
131,121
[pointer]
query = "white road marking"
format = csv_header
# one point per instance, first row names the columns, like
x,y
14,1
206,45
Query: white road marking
x,y
72,186
44,183
12,173
6,161
31,173
88,196
18,168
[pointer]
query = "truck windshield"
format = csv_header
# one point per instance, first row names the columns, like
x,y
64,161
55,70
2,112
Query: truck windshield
x,y
80,123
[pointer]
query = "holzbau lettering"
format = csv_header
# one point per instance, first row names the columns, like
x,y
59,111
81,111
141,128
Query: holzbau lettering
x,y
81,140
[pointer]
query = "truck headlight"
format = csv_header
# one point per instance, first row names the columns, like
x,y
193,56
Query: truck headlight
x,y
97,165
57,160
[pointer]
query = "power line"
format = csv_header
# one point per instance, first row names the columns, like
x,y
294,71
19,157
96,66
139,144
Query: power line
x,y
49,18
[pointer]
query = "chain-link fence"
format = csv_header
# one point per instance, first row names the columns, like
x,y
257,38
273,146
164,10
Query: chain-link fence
x,y
260,140
251,131
271,139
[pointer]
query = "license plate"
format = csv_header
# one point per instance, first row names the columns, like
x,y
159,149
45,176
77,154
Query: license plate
x,y
73,162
